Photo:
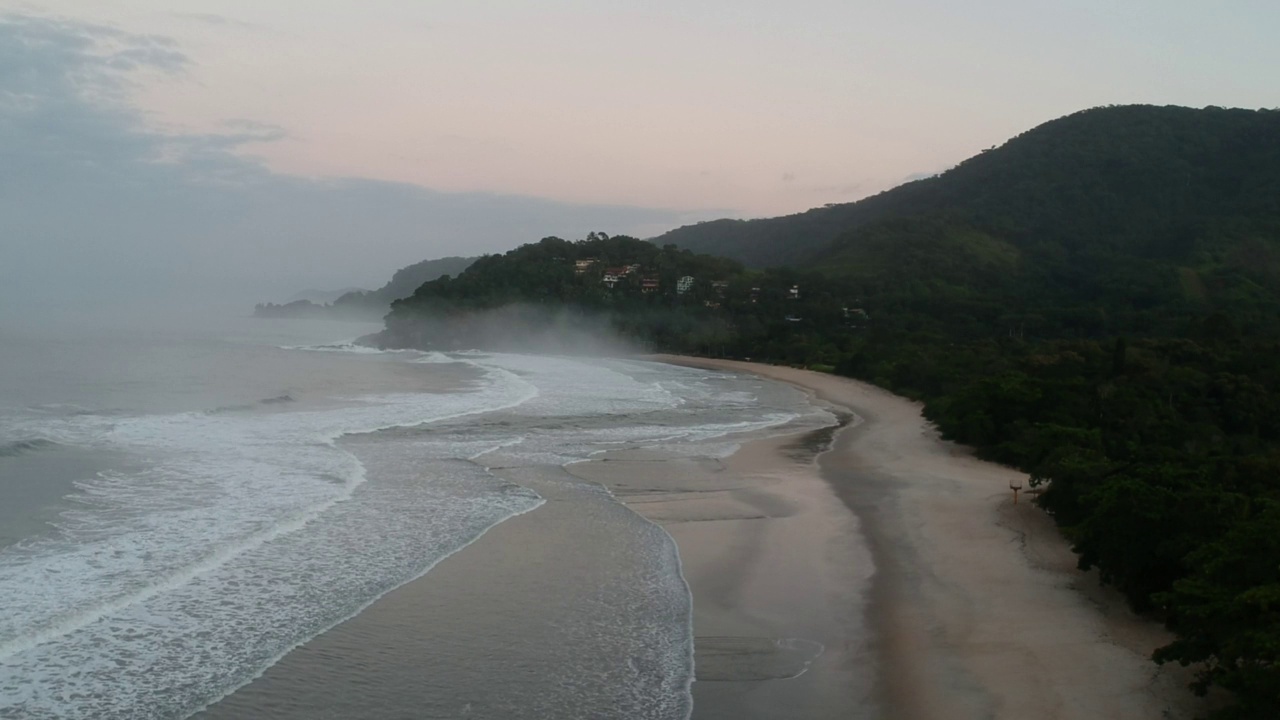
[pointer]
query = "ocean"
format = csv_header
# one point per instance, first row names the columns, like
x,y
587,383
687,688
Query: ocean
x,y
181,507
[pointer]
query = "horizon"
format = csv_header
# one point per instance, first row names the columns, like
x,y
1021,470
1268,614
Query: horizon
x,y
247,150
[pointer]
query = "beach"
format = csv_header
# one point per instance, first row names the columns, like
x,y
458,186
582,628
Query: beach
x,y
613,538
775,563
976,608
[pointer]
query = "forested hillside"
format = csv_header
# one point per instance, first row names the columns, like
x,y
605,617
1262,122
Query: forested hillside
x,y
1151,180
1096,302
628,284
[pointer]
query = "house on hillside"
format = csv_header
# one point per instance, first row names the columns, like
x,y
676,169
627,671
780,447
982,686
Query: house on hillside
x,y
794,293
581,266
649,284
684,284
612,276
720,286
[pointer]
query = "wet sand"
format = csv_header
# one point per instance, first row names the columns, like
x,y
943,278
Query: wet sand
x,y
977,608
778,572
507,627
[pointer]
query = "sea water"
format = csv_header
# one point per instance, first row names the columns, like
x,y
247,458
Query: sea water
x,y
183,507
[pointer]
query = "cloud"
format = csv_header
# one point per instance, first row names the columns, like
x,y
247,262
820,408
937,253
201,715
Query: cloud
x,y
94,204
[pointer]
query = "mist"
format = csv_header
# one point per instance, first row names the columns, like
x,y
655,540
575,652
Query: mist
x,y
99,208
517,327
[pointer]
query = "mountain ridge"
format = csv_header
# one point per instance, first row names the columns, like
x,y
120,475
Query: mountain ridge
x,y
1232,154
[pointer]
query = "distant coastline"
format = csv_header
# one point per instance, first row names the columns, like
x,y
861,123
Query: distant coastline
x,y
307,310
363,305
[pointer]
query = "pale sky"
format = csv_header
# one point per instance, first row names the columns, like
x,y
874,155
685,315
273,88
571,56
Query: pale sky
x,y
511,117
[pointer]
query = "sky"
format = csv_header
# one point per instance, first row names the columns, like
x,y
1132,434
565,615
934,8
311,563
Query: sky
x,y
241,148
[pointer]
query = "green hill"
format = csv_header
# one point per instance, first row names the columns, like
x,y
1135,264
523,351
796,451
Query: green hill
x,y
1131,219
607,285
1161,182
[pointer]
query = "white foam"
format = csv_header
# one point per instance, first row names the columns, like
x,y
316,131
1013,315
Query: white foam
x,y
221,486
252,532
222,627
580,387
435,358
346,347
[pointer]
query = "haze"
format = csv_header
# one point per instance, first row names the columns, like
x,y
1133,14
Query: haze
x,y
243,150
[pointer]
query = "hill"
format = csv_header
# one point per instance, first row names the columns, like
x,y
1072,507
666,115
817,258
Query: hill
x,y
530,297
1118,220
364,304
1161,182
404,282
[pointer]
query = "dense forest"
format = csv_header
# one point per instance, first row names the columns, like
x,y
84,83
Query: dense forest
x,y
631,285
1097,302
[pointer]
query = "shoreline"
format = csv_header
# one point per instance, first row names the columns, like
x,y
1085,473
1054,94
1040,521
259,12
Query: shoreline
x,y
860,570
772,560
976,606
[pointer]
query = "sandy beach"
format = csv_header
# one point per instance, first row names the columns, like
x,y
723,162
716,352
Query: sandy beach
x,y
863,570
977,608
775,562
